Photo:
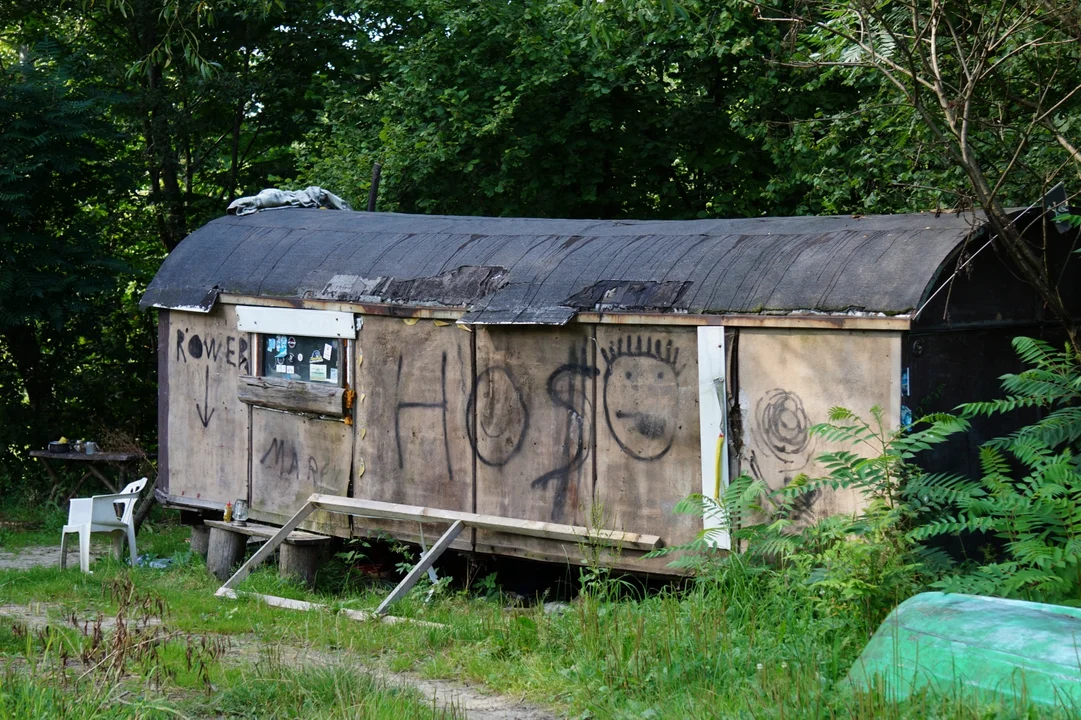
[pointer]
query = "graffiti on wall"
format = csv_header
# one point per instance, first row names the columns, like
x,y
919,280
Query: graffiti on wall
x,y
287,458
569,389
438,405
641,404
781,429
541,421
502,416
212,350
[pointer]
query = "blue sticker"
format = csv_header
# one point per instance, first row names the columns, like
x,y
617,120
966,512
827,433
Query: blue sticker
x,y
282,346
271,344
905,387
906,417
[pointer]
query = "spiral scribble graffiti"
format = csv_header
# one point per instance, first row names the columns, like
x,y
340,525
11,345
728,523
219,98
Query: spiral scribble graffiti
x,y
783,427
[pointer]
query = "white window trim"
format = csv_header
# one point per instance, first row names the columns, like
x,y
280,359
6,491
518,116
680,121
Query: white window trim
x,y
287,321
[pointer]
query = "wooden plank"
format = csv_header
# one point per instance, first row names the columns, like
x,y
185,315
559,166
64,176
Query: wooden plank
x,y
789,380
533,410
163,401
98,457
291,395
412,445
293,457
648,445
268,547
807,322
310,323
713,424
426,561
304,605
207,423
529,528
297,537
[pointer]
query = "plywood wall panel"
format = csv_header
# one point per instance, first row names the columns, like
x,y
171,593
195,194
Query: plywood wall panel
x,y
293,457
534,428
413,382
789,380
207,425
648,449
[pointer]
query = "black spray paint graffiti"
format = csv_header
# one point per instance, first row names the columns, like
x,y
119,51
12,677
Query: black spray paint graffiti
x,y
783,428
441,406
502,416
212,348
285,459
234,350
568,388
641,405
205,415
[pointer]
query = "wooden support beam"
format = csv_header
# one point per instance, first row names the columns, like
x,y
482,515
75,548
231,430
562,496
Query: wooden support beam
x,y
269,547
304,605
293,395
531,528
426,561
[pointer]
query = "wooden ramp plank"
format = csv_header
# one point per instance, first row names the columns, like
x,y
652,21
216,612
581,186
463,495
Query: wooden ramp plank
x,y
530,528
426,561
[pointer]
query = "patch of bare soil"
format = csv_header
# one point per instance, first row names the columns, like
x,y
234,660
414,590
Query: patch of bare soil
x,y
473,702
39,556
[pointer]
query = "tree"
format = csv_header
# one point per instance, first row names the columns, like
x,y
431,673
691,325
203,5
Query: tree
x,y
539,108
215,93
58,169
995,86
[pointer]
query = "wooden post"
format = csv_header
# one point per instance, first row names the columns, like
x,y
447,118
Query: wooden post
x,y
268,547
224,552
426,561
299,561
200,540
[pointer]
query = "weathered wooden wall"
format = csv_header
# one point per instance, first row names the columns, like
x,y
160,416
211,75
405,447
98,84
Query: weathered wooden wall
x,y
207,442
789,380
648,454
534,430
413,383
583,424
294,456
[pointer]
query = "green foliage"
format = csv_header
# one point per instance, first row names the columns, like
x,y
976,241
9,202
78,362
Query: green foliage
x,y
859,564
1029,497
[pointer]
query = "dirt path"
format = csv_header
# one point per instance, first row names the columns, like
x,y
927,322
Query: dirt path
x,y
476,704
43,556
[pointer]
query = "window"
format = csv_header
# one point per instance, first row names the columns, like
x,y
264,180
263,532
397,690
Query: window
x,y
299,357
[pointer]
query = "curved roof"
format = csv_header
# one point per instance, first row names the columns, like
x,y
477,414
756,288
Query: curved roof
x,y
513,270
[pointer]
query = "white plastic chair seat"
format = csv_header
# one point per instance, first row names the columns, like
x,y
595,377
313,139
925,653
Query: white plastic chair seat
x,y
102,513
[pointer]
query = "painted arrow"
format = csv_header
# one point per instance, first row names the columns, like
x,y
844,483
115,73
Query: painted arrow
x,y
204,416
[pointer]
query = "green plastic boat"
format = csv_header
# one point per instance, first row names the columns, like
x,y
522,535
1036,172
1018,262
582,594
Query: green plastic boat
x,y
1006,649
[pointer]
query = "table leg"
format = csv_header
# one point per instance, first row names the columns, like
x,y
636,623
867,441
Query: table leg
x,y
52,476
108,483
78,485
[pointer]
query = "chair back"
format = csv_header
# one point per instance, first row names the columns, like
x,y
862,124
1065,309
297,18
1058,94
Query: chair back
x,y
129,505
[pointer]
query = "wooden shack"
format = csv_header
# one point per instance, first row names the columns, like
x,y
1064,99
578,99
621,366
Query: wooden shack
x,y
572,371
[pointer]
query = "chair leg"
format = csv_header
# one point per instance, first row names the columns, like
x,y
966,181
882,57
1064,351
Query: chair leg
x,y
131,544
63,551
118,544
84,549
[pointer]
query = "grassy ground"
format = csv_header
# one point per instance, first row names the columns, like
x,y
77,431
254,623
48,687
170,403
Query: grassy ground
x,y
741,644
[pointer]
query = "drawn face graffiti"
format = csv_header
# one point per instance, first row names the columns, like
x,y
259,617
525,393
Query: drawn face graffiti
x,y
641,399
502,416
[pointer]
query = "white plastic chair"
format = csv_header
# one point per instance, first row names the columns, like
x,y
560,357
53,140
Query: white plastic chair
x,y
100,514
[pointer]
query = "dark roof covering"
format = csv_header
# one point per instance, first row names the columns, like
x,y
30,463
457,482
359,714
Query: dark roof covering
x,y
512,270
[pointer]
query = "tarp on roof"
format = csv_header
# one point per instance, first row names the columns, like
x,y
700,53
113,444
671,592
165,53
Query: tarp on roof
x,y
515,270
